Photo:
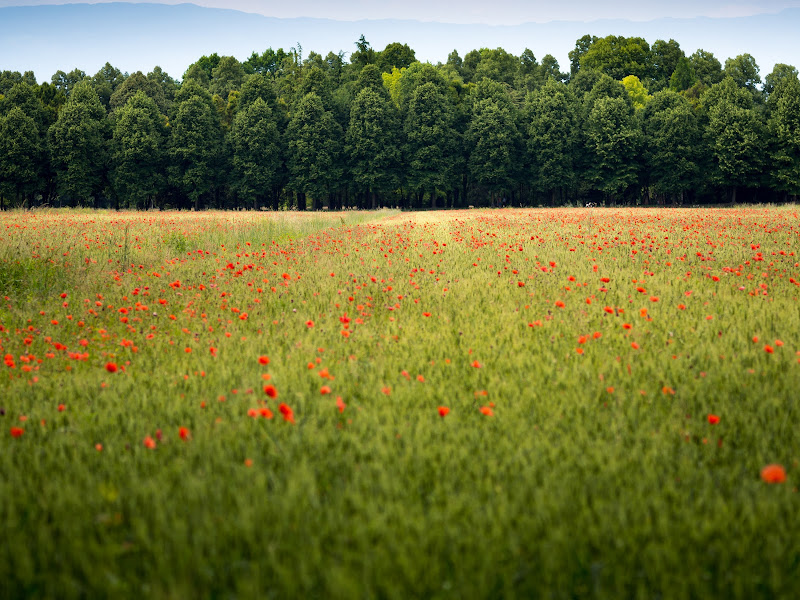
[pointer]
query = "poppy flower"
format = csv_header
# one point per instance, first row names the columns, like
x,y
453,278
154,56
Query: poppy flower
x,y
17,432
149,442
443,411
325,389
485,410
773,474
263,360
340,404
287,413
271,391
184,433
111,367
713,419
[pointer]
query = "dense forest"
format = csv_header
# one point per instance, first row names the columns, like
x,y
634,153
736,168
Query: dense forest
x,y
629,123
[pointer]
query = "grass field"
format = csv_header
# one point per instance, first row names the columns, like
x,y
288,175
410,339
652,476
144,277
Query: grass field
x,y
571,403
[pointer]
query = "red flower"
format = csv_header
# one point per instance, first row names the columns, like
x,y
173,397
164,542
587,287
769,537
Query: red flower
x,y
17,432
61,408
773,474
184,433
769,349
340,404
263,360
111,367
443,411
271,391
287,413
325,389
149,442
713,419
476,364
485,410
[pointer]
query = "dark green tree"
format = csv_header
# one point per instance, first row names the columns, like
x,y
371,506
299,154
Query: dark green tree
x,y
613,141
137,82
364,54
744,71
257,154
105,81
552,141
77,143
66,82
21,155
373,143
784,130
664,58
780,73
226,77
683,76
395,55
706,67
138,152
582,46
431,141
672,145
494,145
194,151
314,151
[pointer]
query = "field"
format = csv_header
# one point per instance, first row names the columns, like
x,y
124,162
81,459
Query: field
x,y
567,403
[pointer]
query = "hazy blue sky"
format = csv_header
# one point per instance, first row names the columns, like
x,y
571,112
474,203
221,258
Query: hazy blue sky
x,y
493,12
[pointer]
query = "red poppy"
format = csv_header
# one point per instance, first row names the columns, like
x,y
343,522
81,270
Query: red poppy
x,y
773,474
111,367
149,442
287,413
17,432
485,410
263,360
713,419
184,433
443,411
325,389
271,391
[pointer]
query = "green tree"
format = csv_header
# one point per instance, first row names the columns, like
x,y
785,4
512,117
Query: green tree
x,y
138,152
780,73
582,46
105,81
784,129
194,149
706,67
744,71
395,55
137,82
226,77
498,65
364,54
618,57
373,143
683,77
672,144
314,151
21,155
553,137
613,141
664,58
77,142
431,140
735,135
493,142
66,82
257,153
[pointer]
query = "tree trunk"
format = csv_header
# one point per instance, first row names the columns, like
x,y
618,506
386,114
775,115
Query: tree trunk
x,y
372,193
433,199
301,201
733,196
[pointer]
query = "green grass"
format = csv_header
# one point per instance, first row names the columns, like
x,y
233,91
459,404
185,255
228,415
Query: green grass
x,y
598,474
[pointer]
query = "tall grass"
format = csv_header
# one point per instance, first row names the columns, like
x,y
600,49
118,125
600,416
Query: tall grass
x,y
577,459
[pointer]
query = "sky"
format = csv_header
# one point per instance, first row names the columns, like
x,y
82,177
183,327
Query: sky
x,y
489,12
173,35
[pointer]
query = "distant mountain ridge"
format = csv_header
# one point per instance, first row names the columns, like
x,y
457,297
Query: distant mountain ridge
x,y
134,37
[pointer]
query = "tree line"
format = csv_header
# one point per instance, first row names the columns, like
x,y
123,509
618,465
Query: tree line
x,y
629,123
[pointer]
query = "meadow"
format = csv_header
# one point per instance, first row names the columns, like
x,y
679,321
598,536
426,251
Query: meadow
x,y
538,403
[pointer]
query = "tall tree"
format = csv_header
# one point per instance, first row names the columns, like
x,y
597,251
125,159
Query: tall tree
x,y
735,134
194,149
613,140
138,152
134,83
683,77
744,71
431,140
257,153
664,58
618,57
77,142
373,142
395,55
552,117
21,155
706,67
226,77
494,144
672,144
314,151
784,129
